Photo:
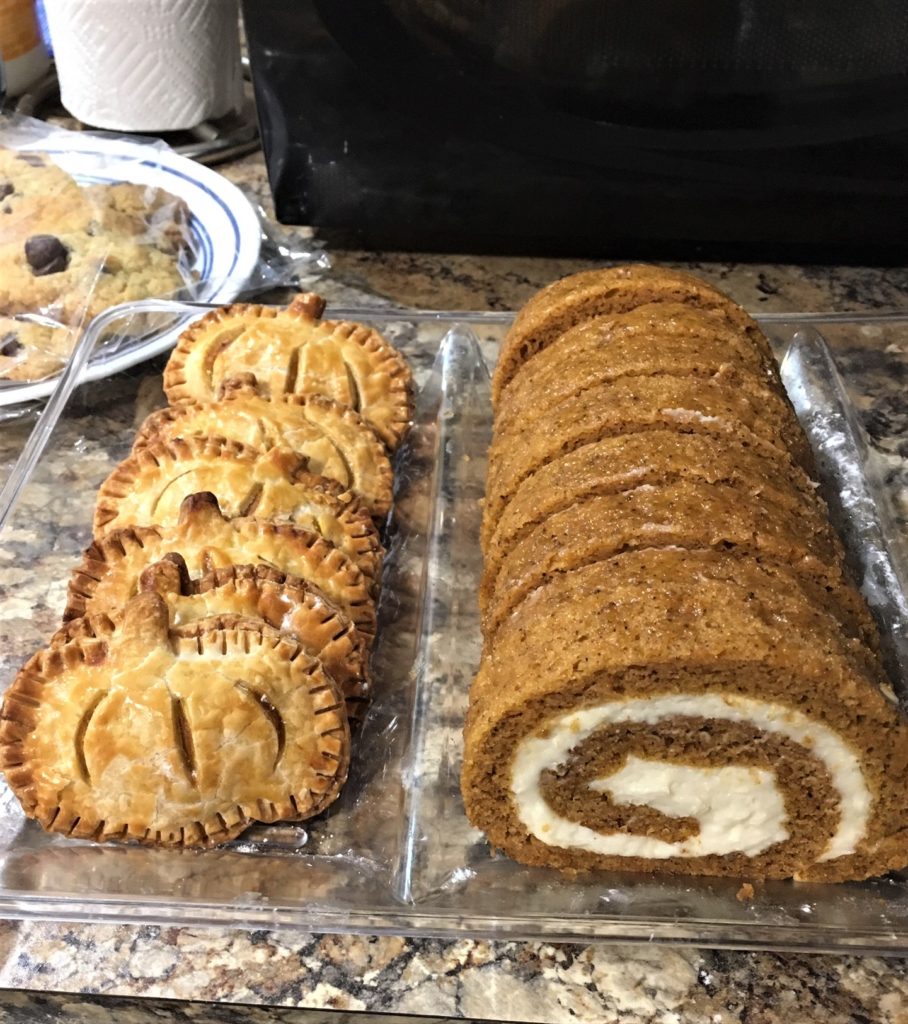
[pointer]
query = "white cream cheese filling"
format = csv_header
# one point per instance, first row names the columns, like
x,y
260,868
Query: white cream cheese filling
x,y
739,809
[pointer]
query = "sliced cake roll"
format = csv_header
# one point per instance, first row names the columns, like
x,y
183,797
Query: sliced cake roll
x,y
661,339
686,712
149,487
615,464
175,741
594,293
336,442
677,673
246,597
111,569
292,352
689,514
634,404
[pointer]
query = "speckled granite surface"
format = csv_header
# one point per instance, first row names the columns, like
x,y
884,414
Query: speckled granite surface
x,y
472,980
481,980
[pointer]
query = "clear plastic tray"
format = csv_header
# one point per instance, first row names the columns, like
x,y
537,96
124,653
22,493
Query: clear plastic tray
x,y
396,854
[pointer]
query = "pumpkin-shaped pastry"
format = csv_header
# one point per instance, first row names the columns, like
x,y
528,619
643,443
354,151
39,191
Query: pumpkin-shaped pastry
x,y
293,352
336,441
147,489
111,568
247,597
177,741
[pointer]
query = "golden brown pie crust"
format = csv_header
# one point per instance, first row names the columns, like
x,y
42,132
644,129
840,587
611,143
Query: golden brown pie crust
x,y
249,596
336,441
147,489
292,351
112,566
217,632
134,737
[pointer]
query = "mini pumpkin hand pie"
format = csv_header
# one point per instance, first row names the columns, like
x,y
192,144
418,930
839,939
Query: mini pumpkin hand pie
x,y
178,741
292,351
249,596
147,489
111,568
336,441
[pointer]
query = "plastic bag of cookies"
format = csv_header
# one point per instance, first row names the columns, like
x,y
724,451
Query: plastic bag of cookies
x,y
72,244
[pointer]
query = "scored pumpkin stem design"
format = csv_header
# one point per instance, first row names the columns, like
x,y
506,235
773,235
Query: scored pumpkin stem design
x,y
182,734
81,730
271,713
248,504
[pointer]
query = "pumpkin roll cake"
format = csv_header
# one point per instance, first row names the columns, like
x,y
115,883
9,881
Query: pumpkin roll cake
x,y
615,464
678,673
594,293
691,712
689,515
669,339
633,404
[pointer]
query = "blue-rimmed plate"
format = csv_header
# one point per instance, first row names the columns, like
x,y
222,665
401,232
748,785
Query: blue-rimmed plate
x,y
225,229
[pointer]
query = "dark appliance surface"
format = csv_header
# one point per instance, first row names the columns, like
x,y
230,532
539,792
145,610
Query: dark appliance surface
x,y
745,129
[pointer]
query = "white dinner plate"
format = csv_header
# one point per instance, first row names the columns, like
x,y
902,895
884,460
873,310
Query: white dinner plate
x,y
226,236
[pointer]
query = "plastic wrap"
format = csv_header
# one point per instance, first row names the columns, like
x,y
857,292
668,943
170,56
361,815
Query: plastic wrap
x,y
90,220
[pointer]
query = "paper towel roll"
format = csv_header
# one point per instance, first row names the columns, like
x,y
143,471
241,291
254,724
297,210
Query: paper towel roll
x,y
146,65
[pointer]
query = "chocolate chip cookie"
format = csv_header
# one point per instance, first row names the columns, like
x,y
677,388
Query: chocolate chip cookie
x,y
30,351
72,251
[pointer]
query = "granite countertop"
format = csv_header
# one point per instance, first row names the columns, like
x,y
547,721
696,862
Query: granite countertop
x,y
72,971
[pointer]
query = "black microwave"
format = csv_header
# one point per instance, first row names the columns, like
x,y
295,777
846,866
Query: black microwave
x,y
713,129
